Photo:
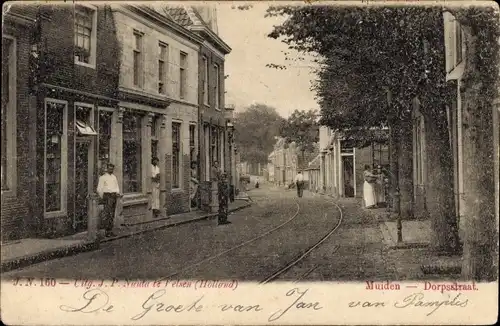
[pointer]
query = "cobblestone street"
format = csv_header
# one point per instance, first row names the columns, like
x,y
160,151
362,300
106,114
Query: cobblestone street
x,y
355,251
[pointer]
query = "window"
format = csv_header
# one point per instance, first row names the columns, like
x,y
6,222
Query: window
x,y
176,152
155,136
85,35
205,81
458,42
105,118
55,150
192,147
215,145
162,67
138,59
217,87
182,75
132,174
9,94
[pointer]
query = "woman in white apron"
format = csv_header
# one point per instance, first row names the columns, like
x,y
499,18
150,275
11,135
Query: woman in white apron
x,y
368,187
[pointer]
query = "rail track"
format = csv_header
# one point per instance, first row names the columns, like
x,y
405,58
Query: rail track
x,y
304,254
282,270
208,259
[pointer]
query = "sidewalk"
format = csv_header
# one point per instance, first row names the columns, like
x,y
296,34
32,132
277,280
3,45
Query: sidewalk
x,y
413,258
25,252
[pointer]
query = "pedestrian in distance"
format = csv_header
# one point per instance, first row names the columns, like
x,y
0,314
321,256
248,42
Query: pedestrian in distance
x,y
109,191
155,187
299,183
257,182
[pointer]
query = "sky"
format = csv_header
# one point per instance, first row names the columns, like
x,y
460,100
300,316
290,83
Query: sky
x,y
250,81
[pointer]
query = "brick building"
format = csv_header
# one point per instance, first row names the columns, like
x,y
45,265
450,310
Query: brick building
x,y
18,119
76,81
215,139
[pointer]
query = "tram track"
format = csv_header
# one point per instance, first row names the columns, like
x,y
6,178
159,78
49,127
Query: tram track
x,y
288,266
281,271
213,257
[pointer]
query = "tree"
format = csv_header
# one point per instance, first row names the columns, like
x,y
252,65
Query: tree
x,y
479,89
302,128
255,130
360,70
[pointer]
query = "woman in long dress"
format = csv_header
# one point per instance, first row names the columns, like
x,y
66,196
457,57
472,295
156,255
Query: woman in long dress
x,y
368,187
155,185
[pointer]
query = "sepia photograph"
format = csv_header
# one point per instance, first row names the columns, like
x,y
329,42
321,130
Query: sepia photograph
x,y
250,162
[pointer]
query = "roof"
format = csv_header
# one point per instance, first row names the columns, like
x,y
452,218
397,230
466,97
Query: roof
x,y
190,18
179,15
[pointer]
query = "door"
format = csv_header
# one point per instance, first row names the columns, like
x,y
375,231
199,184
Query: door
x,y
82,185
348,175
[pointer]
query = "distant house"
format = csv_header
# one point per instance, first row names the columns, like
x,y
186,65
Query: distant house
x,y
342,164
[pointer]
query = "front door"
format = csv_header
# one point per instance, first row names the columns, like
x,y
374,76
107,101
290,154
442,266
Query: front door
x,y
348,175
81,184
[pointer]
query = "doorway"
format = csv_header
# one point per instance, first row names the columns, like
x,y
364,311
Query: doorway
x,y
83,184
348,175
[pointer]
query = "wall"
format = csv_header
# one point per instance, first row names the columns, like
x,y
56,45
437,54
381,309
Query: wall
x,y
17,220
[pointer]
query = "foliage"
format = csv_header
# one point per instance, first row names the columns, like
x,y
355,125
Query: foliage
x,y
302,128
359,67
255,130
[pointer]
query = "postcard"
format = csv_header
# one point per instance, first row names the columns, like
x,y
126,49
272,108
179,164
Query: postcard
x,y
250,163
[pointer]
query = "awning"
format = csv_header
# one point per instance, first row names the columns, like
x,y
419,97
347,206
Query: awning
x,y
84,129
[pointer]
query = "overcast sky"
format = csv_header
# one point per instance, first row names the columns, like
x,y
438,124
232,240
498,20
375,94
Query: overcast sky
x,y
249,80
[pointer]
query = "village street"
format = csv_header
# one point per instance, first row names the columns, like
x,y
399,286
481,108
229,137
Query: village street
x,y
355,251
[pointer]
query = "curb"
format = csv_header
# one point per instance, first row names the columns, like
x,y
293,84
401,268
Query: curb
x,y
80,248
47,255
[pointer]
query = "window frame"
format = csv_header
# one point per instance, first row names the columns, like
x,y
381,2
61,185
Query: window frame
x,y
183,74
11,125
217,94
155,134
192,142
163,59
206,97
93,37
140,63
64,161
458,43
109,111
140,117
178,150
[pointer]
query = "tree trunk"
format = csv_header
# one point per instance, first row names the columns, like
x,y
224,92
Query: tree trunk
x,y
439,191
480,260
405,171
394,166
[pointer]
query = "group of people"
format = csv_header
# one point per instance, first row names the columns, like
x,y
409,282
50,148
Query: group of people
x,y
374,187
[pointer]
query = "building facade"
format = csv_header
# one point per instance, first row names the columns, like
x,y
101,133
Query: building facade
x,y
75,54
18,119
215,134
342,164
157,110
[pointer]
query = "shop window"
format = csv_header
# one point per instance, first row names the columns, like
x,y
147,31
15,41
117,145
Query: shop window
x,y
176,154
105,121
55,149
192,147
132,153
155,136
9,94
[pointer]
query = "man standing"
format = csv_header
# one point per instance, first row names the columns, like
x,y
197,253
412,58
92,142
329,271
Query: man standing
x,y
155,185
108,191
299,182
